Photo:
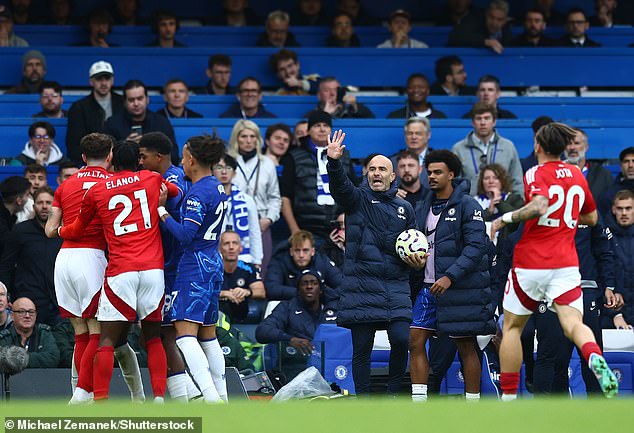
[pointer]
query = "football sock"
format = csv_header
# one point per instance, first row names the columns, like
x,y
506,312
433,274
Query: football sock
x,y
103,367
74,376
81,341
177,386
129,365
157,364
472,396
509,382
192,389
509,397
198,366
588,349
85,378
419,392
216,360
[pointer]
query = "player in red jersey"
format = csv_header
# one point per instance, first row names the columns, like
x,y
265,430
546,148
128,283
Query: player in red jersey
x,y
126,204
545,262
79,271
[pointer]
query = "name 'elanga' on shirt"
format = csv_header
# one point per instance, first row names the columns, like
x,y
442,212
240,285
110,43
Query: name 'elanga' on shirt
x,y
122,181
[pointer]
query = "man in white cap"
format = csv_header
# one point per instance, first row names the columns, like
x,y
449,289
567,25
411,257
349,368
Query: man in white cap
x,y
90,113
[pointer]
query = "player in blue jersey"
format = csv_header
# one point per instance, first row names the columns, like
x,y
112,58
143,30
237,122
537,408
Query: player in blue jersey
x,y
155,154
194,306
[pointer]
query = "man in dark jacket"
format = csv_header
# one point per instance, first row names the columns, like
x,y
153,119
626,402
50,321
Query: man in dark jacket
x,y
455,298
15,193
492,31
91,112
29,260
417,90
249,105
281,278
33,73
621,224
37,338
334,100
577,26
375,293
599,178
624,180
136,119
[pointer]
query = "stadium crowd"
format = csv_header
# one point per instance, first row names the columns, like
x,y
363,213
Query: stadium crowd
x,y
293,229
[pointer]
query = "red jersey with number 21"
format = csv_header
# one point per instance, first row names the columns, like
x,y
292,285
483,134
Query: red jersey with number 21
x,y
548,242
127,204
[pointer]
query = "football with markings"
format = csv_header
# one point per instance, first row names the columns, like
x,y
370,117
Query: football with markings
x,y
411,241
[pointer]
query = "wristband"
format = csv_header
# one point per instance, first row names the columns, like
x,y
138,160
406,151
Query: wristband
x,y
162,211
59,231
508,218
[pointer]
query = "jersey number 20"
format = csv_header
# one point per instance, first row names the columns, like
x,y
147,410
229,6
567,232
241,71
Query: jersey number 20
x,y
562,199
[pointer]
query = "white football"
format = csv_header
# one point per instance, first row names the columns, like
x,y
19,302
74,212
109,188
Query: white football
x,y
411,241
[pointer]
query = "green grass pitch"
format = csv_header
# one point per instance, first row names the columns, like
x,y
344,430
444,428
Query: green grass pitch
x,y
364,416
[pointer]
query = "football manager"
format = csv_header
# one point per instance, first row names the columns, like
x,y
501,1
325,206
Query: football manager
x,y
375,293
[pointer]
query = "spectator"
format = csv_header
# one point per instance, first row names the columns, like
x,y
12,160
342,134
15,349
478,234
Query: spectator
x,y
126,13
99,28
241,214
33,73
28,260
531,160
22,11
60,13
310,13
410,171
65,171
552,16
335,246
342,33
286,65
417,135
624,180
219,73
357,13
400,24
14,191
6,318
176,95
135,120
236,13
7,37
300,131
608,14
494,31
489,93
36,338
281,279
51,101
36,175
621,224
241,280
257,177
577,26
277,138
276,34
417,90
451,78
599,178
306,200
294,321
334,100
90,113
484,146
165,25
375,293
455,12
41,147
249,105
534,27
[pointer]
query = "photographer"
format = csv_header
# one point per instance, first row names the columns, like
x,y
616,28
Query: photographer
x,y
334,100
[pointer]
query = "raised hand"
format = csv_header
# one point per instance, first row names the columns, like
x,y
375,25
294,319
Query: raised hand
x,y
335,148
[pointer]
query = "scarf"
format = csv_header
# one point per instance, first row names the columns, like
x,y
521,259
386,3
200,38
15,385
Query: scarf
x,y
323,183
240,218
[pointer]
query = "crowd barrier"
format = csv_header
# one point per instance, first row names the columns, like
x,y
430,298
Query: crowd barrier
x,y
365,67
524,107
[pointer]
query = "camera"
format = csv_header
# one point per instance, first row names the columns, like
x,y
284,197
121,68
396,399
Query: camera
x,y
136,129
